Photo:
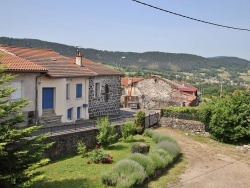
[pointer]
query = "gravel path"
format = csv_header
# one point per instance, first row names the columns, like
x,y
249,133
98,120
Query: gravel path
x,y
211,164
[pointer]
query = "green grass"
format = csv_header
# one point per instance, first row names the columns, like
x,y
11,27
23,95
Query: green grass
x,y
75,172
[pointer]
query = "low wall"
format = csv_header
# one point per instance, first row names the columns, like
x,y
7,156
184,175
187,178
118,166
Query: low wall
x,y
189,125
65,143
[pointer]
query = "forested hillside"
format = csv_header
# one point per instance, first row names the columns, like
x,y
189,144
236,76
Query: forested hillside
x,y
151,61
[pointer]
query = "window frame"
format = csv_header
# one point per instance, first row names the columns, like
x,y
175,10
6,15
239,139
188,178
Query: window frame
x,y
70,113
67,91
79,90
18,93
97,90
78,113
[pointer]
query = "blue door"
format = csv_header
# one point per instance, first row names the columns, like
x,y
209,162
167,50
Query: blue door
x,y
48,98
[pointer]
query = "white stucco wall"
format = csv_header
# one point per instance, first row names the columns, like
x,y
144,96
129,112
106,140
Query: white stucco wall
x,y
27,88
61,104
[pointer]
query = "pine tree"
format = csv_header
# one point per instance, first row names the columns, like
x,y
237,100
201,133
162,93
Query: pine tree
x,y
20,153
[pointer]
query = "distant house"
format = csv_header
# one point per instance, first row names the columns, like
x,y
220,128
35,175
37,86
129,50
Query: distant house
x,y
68,89
157,92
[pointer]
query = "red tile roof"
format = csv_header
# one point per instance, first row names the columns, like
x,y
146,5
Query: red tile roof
x,y
124,81
15,63
59,65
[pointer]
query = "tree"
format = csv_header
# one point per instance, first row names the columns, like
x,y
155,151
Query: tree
x,y
20,154
228,118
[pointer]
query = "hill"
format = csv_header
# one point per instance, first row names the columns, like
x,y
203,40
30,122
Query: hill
x,y
147,61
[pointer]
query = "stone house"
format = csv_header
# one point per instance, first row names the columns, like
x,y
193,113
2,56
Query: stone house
x,y
157,92
68,89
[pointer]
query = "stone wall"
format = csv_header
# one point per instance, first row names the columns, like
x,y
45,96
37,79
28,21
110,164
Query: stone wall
x,y
65,144
189,125
158,93
98,106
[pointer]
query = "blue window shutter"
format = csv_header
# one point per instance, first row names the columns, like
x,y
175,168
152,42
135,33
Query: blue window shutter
x,y
78,90
70,113
78,112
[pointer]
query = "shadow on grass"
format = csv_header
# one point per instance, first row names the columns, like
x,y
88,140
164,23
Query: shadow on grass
x,y
67,183
117,147
166,172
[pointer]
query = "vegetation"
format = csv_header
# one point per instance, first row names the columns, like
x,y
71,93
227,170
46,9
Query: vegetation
x,y
128,130
20,154
161,156
140,147
125,173
167,65
140,121
145,161
228,118
76,172
107,135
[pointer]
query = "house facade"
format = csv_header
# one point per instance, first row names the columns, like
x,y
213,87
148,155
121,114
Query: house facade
x,y
157,92
64,92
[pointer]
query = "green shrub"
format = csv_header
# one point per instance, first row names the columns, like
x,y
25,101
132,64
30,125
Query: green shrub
x,y
171,147
191,113
158,160
107,134
158,137
140,121
229,118
98,156
164,154
149,133
125,173
140,147
128,130
81,149
145,161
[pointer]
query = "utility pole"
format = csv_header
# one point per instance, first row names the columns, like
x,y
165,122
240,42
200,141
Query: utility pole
x,y
220,89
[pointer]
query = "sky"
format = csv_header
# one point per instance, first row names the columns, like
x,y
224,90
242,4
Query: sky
x,y
124,25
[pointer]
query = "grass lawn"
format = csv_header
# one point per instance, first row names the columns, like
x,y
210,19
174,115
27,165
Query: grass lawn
x,y
75,172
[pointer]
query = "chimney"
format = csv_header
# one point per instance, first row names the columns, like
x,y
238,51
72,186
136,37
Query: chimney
x,y
79,58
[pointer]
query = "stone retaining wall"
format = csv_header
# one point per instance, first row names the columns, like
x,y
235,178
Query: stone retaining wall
x,y
65,144
189,125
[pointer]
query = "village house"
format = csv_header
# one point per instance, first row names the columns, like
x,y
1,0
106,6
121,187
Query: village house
x,y
62,89
157,92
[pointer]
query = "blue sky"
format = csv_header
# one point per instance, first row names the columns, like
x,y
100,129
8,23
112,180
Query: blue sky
x,y
123,25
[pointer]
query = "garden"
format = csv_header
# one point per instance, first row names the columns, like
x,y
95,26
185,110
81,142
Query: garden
x,y
130,161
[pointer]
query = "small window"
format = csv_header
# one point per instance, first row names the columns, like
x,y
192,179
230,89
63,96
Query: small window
x,y
78,90
78,112
106,92
67,91
70,113
97,90
18,93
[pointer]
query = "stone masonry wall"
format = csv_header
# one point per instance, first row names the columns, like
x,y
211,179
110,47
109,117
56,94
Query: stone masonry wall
x,y
98,106
65,144
189,125
157,92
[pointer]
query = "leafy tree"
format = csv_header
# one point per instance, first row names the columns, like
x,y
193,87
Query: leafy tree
x,y
140,121
20,154
229,118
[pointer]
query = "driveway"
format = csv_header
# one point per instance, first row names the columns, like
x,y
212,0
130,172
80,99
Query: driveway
x,y
210,164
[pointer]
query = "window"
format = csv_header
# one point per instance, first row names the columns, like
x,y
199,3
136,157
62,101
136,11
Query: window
x,y
70,113
18,93
106,92
78,112
78,90
97,90
67,91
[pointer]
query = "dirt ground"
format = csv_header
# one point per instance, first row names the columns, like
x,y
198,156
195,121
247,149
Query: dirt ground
x,y
210,164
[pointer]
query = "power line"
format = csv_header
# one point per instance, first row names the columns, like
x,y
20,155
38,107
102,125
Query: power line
x,y
194,19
